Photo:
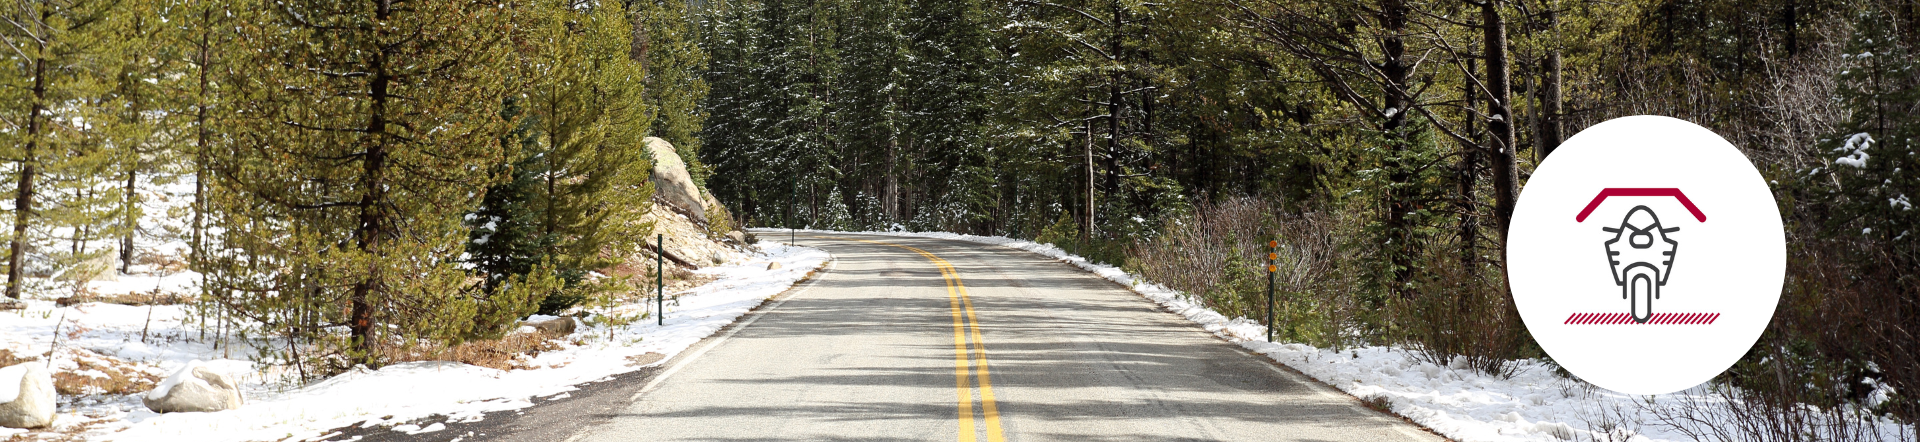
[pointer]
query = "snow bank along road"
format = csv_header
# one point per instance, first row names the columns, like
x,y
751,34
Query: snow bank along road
x,y
928,339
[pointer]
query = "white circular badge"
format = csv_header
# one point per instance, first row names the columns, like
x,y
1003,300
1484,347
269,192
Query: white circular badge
x,y
1646,255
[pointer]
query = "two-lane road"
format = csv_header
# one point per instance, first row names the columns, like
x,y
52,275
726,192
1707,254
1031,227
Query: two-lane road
x,y
923,339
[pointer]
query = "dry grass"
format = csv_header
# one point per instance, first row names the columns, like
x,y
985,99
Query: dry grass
x,y
503,354
119,378
8,359
644,359
155,297
162,262
1378,402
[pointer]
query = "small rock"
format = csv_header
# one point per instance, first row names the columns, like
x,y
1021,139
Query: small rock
x,y
12,304
193,388
559,326
773,265
737,236
31,403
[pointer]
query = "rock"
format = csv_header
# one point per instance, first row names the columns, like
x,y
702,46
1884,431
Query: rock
x,y
12,304
105,267
26,396
737,236
193,388
672,183
559,326
773,265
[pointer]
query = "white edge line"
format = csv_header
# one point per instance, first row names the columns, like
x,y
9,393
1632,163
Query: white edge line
x,y
735,329
677,365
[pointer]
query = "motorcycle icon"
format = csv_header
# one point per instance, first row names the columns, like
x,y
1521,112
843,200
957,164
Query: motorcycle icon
x,y
1643,263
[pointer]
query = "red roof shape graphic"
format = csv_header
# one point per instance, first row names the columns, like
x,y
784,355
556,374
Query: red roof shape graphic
x,y
1640,191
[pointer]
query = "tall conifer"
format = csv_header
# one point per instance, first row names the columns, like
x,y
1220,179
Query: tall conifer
x,y
362,133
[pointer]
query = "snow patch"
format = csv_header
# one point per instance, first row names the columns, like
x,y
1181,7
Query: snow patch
x,y
182,375
1856,149
1533,404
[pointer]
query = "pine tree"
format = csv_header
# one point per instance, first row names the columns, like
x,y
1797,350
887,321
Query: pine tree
x,y
58,52
361,135
665,43
732,35
1874,198
136,127
578,186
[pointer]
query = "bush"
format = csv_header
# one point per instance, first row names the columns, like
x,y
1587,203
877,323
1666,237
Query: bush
x,y
1462,310
1218,253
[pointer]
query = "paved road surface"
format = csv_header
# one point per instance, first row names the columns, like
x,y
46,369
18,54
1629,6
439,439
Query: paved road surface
x,y
922,339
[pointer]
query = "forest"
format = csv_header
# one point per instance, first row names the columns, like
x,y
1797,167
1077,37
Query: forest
x,y
370,178
1381,144
365,178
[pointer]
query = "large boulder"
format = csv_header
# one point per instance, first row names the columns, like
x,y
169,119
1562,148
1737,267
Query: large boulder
x,y
194,388
26,396
671,182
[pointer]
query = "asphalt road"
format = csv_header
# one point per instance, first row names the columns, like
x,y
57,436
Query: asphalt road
x,y
922,339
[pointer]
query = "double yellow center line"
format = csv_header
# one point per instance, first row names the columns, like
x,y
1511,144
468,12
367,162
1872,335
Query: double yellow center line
x,y
968,354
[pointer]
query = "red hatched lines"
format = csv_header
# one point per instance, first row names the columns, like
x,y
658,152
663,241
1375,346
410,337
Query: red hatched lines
x,y
1657,319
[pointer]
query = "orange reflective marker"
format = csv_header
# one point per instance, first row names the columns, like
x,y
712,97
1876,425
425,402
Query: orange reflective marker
x,y
1272,268
1273,244
1273,256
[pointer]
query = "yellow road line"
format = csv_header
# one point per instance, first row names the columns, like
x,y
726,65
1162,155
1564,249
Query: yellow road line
x,y
960,302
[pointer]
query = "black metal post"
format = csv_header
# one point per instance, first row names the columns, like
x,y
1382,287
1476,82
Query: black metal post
x,y
1273,254
793,192
660,277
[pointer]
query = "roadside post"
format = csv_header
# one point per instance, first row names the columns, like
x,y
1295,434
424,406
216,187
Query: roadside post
x,y
793,191
1273,254
660,277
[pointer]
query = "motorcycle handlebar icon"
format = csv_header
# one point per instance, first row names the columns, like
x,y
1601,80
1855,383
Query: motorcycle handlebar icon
x,y
1641,255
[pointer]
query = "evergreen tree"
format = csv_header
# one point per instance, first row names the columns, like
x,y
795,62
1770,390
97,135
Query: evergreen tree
x,y
1869,178
136,127
58,50
578,185
362,134
739,105
665,43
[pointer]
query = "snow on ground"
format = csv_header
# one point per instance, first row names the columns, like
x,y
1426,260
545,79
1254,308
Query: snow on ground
x,y
1462,404
392,395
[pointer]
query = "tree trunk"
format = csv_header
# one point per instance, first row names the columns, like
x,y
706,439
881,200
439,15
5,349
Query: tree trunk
x,y
133,218
1398,73
1554,131
200,148
1499,126
1469,175
1088,231
23,195
372,227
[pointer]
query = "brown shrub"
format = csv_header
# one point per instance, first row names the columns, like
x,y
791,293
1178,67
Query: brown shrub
x,y
1219,253
502,354
1461,310
163,262
8,359
120,378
